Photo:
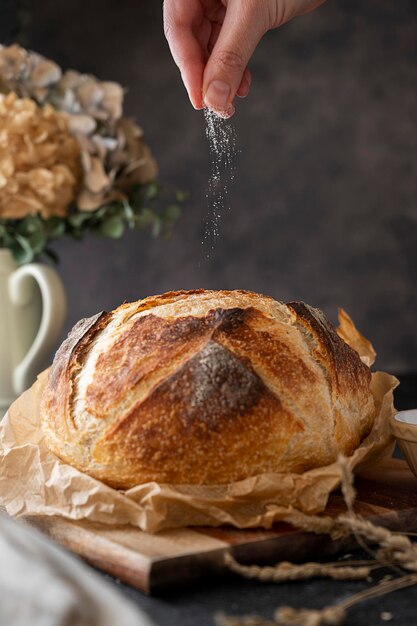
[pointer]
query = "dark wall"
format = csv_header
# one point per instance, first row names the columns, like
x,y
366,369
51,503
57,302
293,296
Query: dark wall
x,y
324,204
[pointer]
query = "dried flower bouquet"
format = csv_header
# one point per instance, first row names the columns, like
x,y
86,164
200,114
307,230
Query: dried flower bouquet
x,y
70,163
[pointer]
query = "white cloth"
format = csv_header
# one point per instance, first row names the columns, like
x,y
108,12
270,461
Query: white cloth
x,y
42,585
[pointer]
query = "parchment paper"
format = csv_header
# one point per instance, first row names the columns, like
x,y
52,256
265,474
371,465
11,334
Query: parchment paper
x,y
33,481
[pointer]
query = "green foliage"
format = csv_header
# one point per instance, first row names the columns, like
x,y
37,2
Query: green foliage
x,y
30,238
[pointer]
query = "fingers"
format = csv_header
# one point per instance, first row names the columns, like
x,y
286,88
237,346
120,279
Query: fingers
x,y
212,49
179,20
243,27
192,71
245,83
244,86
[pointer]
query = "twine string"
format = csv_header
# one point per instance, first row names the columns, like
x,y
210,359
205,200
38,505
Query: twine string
x,y
395,550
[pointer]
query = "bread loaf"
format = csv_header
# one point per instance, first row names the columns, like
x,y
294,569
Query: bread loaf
x,y
205,387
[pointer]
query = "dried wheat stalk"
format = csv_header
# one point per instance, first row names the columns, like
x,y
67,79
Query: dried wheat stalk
x,y
395,549
289,571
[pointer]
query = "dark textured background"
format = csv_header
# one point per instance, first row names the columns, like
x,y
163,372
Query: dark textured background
x,y
324,205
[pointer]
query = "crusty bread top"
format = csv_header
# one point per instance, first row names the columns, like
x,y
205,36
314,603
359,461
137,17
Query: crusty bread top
x,y
205,387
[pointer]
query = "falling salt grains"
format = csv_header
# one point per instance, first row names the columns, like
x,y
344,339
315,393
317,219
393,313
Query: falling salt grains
x,y
221,137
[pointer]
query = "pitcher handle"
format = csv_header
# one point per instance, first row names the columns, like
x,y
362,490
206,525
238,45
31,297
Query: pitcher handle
x,y
52,317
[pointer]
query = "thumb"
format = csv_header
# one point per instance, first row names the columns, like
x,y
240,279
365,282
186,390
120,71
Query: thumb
x,y
242,28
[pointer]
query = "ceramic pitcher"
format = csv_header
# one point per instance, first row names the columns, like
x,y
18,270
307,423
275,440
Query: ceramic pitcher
x,y
32,314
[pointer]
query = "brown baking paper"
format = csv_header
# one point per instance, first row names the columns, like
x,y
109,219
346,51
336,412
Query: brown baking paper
x,y
33,481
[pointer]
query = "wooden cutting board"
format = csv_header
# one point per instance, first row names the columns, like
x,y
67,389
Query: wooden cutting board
x,y
386,495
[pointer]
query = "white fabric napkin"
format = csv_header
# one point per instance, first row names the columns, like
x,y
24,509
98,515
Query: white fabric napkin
x,y
42,585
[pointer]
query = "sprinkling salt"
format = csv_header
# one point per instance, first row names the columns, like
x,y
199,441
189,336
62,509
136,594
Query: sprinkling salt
x,y
221,137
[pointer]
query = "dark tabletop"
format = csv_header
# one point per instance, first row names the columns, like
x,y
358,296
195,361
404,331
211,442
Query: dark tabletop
x,y
196,607
232,595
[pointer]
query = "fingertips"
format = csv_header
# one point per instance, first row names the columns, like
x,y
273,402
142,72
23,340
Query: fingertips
x,y
192,77
218,95
225,73
245,84
196,99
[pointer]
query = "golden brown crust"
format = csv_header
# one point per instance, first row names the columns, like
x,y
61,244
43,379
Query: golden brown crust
x,y
57,396
345,365
205,387
161,342
348,377
197,418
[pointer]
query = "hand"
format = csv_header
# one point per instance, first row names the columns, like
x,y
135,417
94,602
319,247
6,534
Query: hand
x,y
212,41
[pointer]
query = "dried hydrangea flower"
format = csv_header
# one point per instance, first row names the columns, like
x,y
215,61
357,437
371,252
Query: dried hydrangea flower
x,y
40,168
114,154
26,73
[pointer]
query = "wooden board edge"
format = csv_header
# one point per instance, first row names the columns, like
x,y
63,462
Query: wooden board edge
x,y
192,568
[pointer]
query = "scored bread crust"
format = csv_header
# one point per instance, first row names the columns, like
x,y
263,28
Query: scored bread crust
x,y
205,387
